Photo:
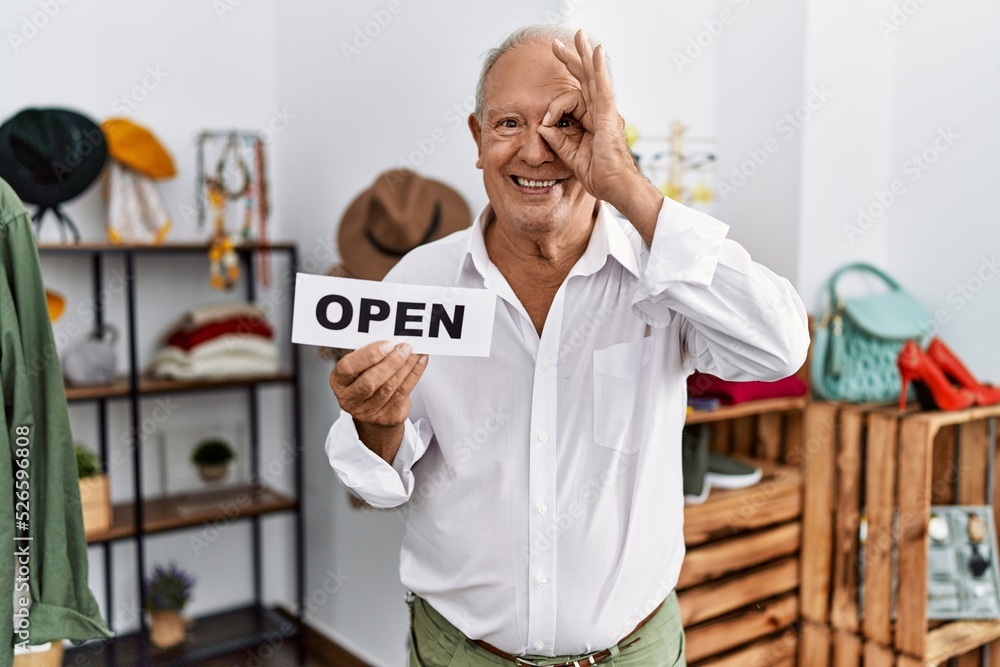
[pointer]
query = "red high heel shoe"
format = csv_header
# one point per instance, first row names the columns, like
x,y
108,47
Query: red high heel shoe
x,y
917,367
953,367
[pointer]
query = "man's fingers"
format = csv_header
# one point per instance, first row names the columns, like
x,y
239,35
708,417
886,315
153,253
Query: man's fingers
x,y
569,103
387,391
357,362
559,142
369,382
411,380
570,59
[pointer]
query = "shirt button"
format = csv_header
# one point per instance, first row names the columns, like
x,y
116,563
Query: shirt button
x,y
542,508
544,368
543,437
539,646
542,581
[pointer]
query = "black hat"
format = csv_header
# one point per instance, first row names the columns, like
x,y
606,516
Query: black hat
x,y
50,156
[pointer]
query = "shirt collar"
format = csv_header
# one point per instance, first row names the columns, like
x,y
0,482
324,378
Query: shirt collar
x,y
609,238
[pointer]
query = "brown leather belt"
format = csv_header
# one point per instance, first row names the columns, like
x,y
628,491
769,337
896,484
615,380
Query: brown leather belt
x,y
589,659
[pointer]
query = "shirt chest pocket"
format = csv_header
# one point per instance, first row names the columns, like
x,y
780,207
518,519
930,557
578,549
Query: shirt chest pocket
x,y
621,379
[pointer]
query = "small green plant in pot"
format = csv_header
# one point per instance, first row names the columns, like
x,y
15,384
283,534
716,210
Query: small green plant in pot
x,y
212,458
95,494
167,592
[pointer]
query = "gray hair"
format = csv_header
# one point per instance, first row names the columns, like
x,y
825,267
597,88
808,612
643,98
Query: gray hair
x,y
529,34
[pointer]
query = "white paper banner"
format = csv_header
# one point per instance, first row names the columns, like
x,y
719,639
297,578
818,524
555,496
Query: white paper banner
x,y
348,313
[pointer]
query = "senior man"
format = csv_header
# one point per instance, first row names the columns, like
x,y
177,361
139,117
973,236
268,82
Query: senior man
x,y
541,486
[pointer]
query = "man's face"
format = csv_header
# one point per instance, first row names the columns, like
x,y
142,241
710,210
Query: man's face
x,y
529,187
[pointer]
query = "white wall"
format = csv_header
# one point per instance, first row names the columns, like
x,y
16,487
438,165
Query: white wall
x,y
943,235
761,109
901,73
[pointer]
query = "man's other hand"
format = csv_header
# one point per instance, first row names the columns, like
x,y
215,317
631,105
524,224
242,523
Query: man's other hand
x,y
599,156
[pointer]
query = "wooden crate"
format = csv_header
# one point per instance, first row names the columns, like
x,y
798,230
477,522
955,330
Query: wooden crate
x,y
738,589
891,467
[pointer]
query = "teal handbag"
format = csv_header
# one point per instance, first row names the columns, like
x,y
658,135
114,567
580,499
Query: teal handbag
x,y
856,344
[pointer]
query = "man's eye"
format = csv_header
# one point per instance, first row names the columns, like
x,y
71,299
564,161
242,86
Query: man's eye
x,y
564,122
509,123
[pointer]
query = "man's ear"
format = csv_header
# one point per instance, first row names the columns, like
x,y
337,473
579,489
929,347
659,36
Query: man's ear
x,y
477,134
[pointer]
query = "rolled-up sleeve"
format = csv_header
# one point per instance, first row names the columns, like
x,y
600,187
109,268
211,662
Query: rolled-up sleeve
x,y
367,474
738,319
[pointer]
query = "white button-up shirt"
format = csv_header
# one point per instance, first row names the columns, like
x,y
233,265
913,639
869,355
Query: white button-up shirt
x,y
541,486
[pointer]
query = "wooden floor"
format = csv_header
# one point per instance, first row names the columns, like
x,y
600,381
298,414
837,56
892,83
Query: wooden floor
x,y
318,654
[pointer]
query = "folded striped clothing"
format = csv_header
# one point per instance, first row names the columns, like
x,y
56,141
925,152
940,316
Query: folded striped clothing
x,y
187,339
219,312
225,356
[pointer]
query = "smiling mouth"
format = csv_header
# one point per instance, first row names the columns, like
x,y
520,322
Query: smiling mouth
x,y
535,184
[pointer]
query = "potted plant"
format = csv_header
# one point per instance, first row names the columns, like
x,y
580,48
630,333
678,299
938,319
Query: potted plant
x,y
95,498
212,458
166,594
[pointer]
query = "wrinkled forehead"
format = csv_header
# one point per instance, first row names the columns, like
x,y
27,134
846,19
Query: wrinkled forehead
x,y
526,75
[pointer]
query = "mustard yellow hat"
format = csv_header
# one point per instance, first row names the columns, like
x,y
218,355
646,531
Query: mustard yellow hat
x,y
56,303
137,148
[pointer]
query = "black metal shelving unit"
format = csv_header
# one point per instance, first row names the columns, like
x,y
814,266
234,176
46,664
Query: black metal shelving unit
x,y
229,630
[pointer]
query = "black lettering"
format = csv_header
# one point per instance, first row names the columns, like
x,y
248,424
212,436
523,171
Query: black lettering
x,y
367,313
402,318
346,312
439,316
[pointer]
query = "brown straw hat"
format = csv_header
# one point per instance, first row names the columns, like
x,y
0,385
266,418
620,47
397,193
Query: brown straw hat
x,y
399,212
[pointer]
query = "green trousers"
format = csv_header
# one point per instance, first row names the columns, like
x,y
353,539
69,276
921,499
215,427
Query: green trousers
x,y
434,642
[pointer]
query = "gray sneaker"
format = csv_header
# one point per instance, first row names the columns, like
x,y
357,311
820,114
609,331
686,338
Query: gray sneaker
x,y
694,463
726,473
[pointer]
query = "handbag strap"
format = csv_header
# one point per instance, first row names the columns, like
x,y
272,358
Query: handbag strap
x,y
857,266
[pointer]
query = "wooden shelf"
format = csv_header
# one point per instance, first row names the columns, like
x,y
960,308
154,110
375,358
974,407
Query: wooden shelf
x,y
750,408
155,386
208,637
775,499
957,638
193,509
165,248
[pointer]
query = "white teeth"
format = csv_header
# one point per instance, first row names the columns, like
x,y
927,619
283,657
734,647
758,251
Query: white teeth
x,y
534,184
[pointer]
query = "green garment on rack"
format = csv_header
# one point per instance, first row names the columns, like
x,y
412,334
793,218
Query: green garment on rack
x,y
33,414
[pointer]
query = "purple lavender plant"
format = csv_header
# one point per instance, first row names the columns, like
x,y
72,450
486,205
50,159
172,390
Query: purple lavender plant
x,y
169,589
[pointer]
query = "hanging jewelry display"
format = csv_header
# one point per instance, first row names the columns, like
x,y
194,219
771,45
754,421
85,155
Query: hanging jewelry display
x,y
234,190
670,165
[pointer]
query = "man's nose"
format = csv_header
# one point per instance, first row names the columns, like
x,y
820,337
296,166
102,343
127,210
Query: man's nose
x,y
535,150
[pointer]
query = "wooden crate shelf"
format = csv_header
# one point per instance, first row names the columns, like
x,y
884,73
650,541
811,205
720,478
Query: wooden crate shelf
x,y
768,430
742,627
892,467
777,498
738,589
